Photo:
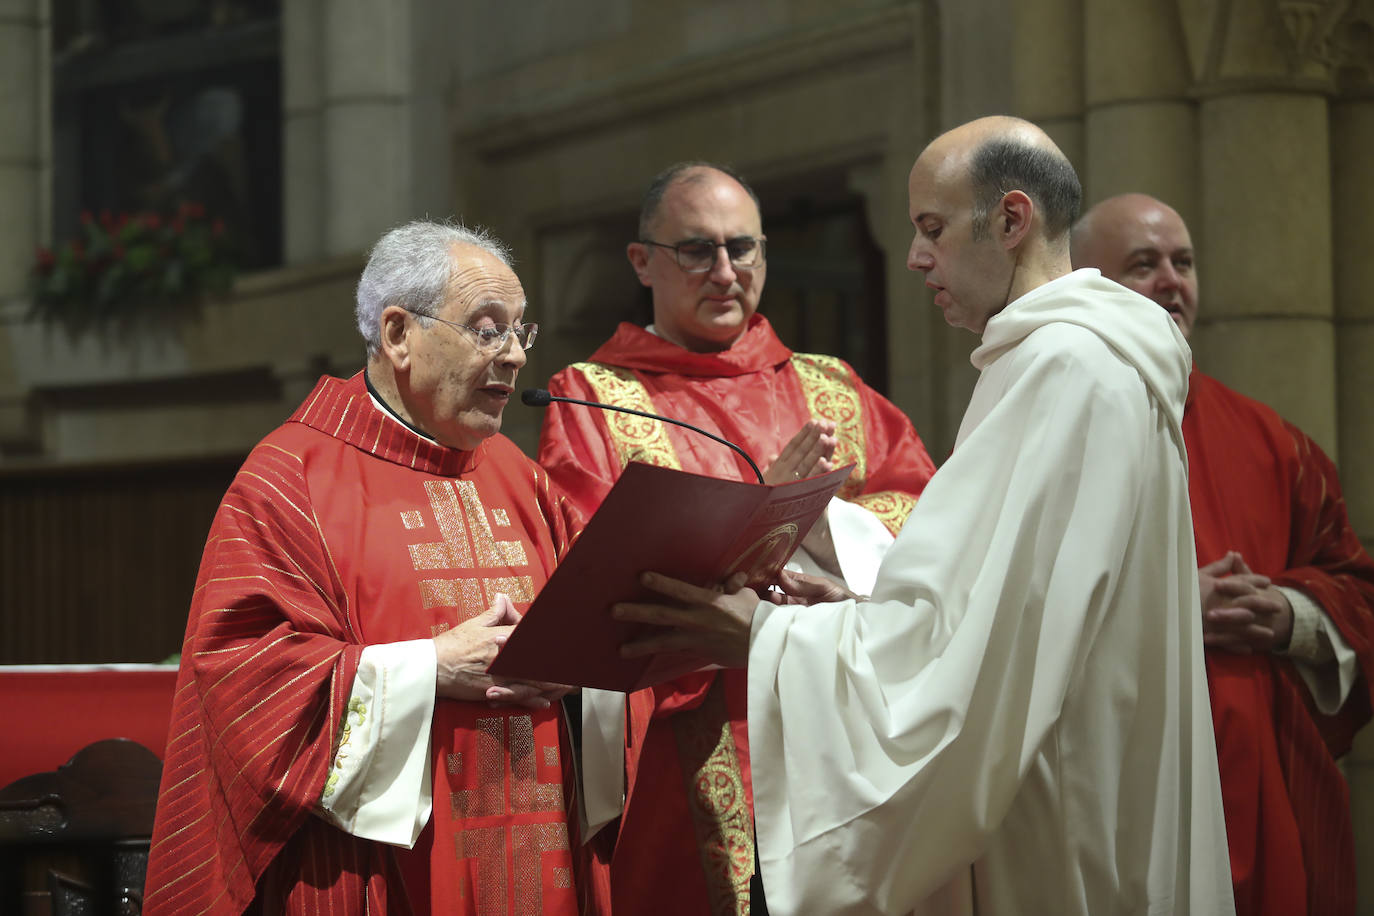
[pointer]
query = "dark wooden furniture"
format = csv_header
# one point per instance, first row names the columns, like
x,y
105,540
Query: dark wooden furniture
x,y
74,841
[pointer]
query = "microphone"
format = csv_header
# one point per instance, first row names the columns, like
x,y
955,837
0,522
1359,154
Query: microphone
x,y
540,397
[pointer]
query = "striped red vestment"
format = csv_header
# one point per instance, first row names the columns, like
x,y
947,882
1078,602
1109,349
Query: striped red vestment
x,y
343,529
1260,486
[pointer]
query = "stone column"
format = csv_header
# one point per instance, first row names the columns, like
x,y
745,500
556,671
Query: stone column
x,y
303,149
25,171
1352,133
1047,72
365,125
976,51
1265,322
929,376
366,130
1140,128
1352,138
24,90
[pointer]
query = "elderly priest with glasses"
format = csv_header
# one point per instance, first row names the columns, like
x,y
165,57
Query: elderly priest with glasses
x,y
336,745
711,359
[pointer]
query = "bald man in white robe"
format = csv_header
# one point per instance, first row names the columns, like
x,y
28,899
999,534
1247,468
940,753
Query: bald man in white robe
x,y
1016,721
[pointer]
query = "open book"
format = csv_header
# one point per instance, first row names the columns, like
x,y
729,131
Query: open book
x,y
699,529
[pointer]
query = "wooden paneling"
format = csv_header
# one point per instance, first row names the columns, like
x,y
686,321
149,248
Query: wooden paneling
x,y
97,564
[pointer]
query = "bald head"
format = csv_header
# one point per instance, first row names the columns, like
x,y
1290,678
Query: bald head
x,y
1141,243
1000,154
991,202
1100,227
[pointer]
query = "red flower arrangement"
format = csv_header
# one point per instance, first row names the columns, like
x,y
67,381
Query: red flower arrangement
x,y
127,263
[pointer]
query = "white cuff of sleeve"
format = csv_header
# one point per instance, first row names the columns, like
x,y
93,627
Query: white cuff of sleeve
x,y
1303,645
379,786
861,542
602,766
1324,660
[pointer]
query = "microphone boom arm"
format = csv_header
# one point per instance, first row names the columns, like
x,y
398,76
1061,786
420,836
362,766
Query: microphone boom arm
x,y
653,416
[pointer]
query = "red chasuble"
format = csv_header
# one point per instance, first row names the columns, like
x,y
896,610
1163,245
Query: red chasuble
x,y
343,529
1259,486
688,820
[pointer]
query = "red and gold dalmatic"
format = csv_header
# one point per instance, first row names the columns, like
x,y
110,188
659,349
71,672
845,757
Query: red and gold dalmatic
x,y
686,841
344,529
1260,486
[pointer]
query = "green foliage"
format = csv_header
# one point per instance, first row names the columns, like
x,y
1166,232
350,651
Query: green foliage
x,y
127,264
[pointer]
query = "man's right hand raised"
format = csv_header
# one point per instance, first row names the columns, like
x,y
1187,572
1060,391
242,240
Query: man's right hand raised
x,y
806,454
465,651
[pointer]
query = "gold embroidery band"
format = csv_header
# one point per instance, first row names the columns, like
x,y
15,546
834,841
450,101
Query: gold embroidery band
x,y
890,506
527,793
506,754
715,796
830,395
519,589
635,438
479,529
468,544
463,594
528,844
468,539
488,846
455,546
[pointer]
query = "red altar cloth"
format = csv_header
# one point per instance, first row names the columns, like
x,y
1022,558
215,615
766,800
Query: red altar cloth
x,y
59,709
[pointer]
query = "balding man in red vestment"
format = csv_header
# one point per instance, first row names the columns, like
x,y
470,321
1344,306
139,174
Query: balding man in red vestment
x,y
1288,599
336,746
711,359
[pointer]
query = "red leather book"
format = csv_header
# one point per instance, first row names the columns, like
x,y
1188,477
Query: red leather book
x,y
695,528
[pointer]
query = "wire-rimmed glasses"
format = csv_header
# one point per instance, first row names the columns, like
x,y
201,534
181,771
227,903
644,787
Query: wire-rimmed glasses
x,y
492,338
697,256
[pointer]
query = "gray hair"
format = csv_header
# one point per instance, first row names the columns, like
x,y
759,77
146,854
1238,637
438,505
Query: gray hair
x,y
411,266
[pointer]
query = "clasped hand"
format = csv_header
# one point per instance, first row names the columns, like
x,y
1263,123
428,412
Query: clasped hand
x,y
465,651
1242,611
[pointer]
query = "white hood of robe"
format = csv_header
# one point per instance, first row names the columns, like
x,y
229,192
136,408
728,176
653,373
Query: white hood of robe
x,y
1142,332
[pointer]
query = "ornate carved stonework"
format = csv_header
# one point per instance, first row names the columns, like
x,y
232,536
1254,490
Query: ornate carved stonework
x,y
1352,43
1337,34
1321,45
1308,24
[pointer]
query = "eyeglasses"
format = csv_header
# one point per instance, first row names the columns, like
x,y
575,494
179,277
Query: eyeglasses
x,y
491,338
697,256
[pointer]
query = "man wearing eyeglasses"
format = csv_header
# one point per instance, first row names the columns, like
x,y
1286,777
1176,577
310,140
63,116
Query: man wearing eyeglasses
x,y
711,359
336,745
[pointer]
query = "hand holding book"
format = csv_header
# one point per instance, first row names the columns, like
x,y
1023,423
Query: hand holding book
x,y
700,530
